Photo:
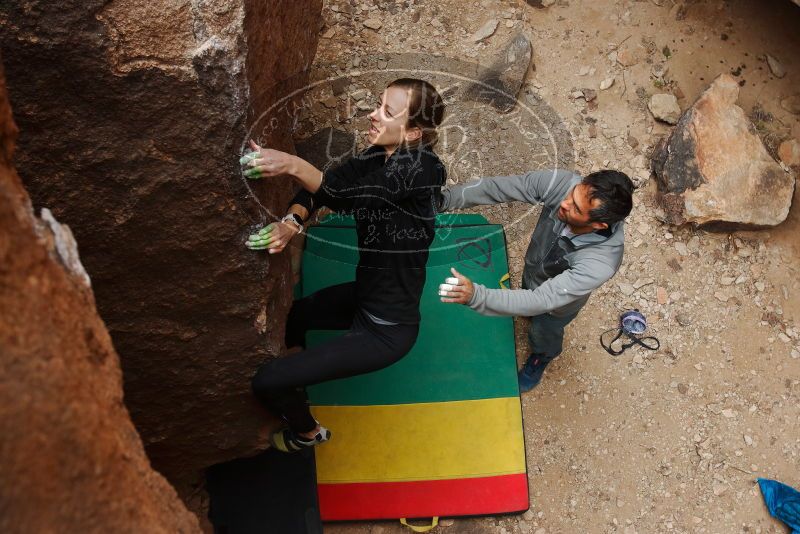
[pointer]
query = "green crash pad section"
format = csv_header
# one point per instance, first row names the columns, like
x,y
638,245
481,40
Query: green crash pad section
x,y
459,354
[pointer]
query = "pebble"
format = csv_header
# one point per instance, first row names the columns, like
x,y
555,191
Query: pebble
x,y
373,24
626,289
665,108
485,31
727,412
661,295
775,67
791,104
719,489
606,84
641,282
528,515
789,152
783,337
748,440
681,248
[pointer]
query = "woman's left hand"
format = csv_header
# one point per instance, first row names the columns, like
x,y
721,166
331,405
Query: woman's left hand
x,y
266,162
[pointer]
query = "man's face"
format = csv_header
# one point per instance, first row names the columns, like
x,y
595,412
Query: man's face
x,y
574,209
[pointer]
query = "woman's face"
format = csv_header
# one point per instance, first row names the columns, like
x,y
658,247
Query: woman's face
x,y
388,123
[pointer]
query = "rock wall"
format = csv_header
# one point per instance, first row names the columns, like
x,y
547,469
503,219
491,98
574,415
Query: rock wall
x,y
70,458
133,115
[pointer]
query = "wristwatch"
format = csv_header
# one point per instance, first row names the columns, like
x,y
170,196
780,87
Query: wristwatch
x,y
294,219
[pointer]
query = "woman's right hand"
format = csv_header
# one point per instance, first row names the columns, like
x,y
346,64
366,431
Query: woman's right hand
x,y
266,162
273,238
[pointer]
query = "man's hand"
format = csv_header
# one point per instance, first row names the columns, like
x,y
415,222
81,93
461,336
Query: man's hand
x,y
266,162
460,293
272,238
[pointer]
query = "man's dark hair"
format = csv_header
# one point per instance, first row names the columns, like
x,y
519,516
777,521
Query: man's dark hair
x,y
614,190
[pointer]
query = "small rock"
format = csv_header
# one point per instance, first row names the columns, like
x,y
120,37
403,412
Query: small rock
x,y
626,289
791,104
487,30
681,248
589,94
592,129
748,440
632,141
789,152
727,412
760,286
775,66
641,282
606,84
661,295
358,94
626,58
719,488
664,107
726,280
330,32
373,24
528,515
330,102
339,85
783,337
683,389
548,3
637,359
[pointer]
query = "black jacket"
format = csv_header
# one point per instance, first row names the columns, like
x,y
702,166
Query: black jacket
x,y
393,203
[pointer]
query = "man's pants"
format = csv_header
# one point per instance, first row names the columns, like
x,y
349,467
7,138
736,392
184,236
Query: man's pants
x,y
546,336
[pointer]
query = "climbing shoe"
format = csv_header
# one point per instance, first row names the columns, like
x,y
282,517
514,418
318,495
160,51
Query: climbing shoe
x,y
531,374
287,441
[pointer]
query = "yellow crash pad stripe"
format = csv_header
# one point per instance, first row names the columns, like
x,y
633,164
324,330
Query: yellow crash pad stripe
x,y
426,441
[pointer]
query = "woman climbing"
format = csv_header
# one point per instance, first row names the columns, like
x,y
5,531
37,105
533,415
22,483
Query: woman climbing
x,y
390,190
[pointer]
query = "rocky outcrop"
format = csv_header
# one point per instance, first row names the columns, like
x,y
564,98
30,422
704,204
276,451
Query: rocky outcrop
x,y
70,458
134,114
714,171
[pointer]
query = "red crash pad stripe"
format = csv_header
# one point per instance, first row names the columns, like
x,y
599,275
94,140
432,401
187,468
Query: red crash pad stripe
x,y
429,498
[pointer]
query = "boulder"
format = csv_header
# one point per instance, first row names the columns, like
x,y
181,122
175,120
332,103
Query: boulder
x,y
714,171
499,84
70,459
134,114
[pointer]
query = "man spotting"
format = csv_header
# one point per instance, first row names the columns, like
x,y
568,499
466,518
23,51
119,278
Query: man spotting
x,y
577,246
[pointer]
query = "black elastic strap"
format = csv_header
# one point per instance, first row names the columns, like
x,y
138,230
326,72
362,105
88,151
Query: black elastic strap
x,y
625,346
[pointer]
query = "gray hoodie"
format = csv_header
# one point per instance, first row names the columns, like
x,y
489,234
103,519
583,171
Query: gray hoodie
x,y
560,272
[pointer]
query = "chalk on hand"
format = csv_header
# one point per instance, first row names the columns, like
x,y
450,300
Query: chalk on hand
x,y
443,293
247,158
451,280
445,287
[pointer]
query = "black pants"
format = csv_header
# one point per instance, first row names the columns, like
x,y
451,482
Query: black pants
x,y
280,383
